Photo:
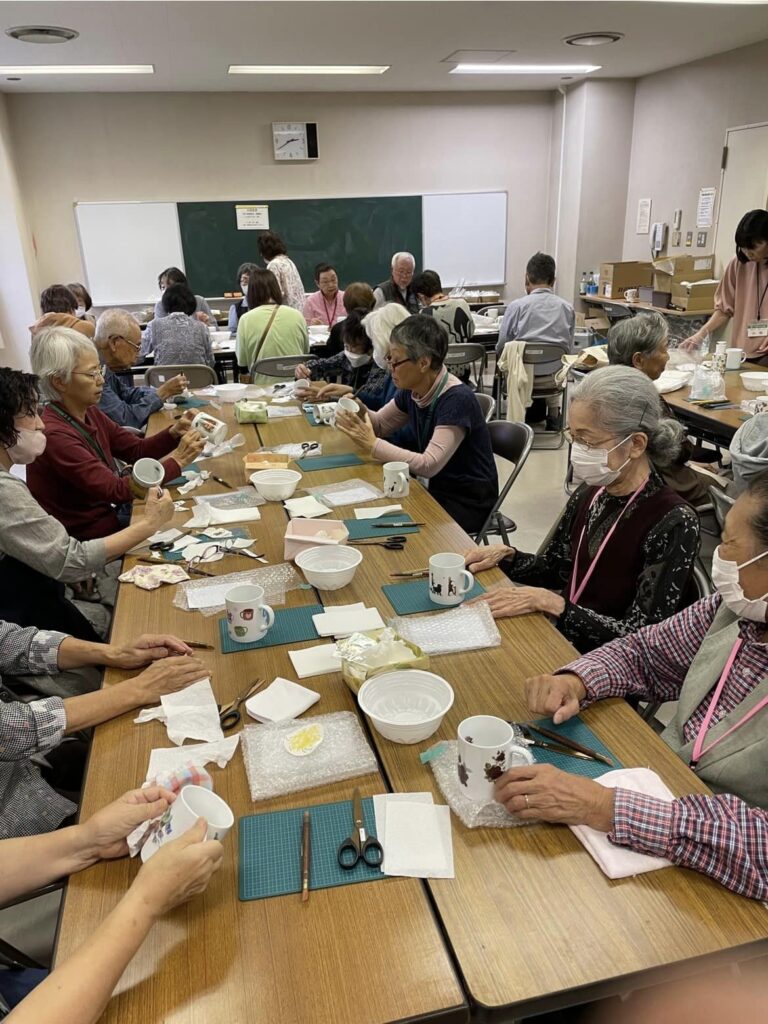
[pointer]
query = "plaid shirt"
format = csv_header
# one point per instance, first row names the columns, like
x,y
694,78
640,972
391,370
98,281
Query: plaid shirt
x,y
720,836
28,805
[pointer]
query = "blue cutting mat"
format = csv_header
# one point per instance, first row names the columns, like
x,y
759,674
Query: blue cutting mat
x,y
309,416
363,529
193,468
292,625
192,403
178,556
574,729
328,462
409,598
270,850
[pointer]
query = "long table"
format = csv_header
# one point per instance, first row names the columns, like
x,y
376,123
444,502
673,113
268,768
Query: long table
x,y
718,425
528,924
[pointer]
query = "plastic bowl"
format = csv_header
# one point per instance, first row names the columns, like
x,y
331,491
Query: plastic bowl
x,y
406,706
231,392
275,484
754,381
329,567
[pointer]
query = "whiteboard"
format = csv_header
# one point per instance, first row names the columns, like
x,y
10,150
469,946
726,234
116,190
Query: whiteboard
x,y
125,246
465,237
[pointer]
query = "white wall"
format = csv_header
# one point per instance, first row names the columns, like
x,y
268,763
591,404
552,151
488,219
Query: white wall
x,y
680,120
197,146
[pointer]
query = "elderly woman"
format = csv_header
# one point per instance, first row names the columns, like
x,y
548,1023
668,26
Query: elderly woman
x,y
354,366
37,556
642,341
357,295
326,305
453,453
712,658
76,478
171,276
749,452
270,328
621,554
177,337
58,307
237,309
275,255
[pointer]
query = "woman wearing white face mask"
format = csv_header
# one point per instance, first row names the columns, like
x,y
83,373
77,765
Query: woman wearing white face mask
x,y
354,366
712,658
621,554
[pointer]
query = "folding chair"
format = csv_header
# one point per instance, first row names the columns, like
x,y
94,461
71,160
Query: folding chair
x,y
488,405
546,359
277,366
468,355
722,503
513,442
198,374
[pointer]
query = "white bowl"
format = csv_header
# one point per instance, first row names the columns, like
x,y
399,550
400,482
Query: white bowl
x,y
406,706
754,381
275,484
329,567
231,392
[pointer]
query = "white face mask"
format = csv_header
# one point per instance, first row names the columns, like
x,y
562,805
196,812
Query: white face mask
x,y
30,444
725,576
80,311
590,465
358,358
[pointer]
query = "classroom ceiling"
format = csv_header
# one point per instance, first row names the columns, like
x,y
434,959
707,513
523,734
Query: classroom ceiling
x,y
191,44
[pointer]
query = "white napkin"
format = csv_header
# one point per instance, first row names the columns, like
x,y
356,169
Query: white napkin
x,y
207,515
281,701
339,622
315,661
305,508
380,802
379,510
283,411
618,861
418,840
192,713
171,759
162,537
193,480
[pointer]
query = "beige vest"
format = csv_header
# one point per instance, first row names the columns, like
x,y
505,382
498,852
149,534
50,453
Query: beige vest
x,y
738,765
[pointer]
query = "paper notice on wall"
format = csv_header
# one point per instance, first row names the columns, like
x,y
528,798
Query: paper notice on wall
x,y
252,218
705,208
643,217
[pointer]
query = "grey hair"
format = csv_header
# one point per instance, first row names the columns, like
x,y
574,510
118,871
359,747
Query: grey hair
x,y
113,323
403,256
55,352
642,334
380,323
624,401
422,336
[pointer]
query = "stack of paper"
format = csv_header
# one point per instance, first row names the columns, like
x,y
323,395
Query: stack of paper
x,y
347,619
376,511
315,661
281,701
305,508
415,835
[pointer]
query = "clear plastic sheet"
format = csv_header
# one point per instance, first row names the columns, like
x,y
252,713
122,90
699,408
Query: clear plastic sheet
x,y
473,815
347,492
467,628
343,754
275,579
295,451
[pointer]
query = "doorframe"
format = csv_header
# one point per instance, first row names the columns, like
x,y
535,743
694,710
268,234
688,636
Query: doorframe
x,y
728,131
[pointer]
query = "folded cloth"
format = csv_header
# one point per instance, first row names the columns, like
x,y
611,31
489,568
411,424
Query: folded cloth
x,y
617,861
281,701
315,661
305,508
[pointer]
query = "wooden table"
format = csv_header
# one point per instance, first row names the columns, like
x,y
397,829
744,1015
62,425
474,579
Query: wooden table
x,y
692,314
718,425
530,921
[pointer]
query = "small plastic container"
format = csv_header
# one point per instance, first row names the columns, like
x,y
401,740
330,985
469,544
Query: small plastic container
x,y
329,566
309,533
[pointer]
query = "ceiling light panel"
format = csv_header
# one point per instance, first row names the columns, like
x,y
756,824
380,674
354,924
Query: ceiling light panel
x,y
77,69
524,69
477,56
307,69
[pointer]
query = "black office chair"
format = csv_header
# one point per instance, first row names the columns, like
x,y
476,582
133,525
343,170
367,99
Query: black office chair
x,y
513,442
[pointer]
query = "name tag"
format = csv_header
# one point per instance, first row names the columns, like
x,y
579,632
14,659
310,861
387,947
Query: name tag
x,y
757,329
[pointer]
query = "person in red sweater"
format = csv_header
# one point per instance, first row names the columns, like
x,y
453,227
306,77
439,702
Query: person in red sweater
x,y
77,479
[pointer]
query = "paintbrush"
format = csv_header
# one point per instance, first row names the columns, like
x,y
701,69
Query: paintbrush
x,y
563,741
305,852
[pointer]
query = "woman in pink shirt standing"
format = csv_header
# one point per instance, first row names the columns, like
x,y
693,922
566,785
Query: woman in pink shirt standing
x,y
326,305
742,295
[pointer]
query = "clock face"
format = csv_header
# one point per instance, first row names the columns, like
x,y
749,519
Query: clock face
x,y
289,141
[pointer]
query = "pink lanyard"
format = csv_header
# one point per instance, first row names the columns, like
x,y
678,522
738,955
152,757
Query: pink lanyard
x,y
330,317
698,747
575,593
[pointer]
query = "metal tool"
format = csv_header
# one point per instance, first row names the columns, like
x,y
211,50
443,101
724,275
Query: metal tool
x,y
359,844
396,543
309,446
229,715
161,545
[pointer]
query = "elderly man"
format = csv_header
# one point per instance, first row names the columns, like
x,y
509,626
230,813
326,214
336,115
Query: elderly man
x,y
398,288
118,339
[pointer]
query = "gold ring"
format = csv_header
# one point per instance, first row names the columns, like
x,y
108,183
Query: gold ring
x,y
527,802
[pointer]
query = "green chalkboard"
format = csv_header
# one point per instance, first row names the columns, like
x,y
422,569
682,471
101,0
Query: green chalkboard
x,y
358,236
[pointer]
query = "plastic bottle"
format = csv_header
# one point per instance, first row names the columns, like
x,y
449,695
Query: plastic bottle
x,y
584,283
718,361
593,280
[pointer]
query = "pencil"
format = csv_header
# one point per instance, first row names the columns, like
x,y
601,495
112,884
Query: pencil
x,y
196,644
565,742
305,858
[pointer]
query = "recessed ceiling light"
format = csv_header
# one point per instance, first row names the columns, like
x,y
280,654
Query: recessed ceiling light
x,y
78,69
593,38
307,69
42,34
524,69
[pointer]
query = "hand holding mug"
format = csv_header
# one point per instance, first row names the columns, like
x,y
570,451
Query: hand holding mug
x,y
189,447
178,871
182,425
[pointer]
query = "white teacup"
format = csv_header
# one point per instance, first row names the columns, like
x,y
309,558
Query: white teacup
x,y
486,749
631,295
213,430
449,581
191,803
734,357
247,618
396,479
146,473
325,412
346,404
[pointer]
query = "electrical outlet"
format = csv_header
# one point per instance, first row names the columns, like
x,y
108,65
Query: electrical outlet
x,y
688,239
701,239
676,238
677,219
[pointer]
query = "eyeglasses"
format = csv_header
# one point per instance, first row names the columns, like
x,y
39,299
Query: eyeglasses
x,y
119,337
589,445
94,375
398,362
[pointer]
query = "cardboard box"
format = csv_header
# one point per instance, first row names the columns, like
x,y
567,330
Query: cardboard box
x,y
615,278
597,324
656,298
697,297
676,269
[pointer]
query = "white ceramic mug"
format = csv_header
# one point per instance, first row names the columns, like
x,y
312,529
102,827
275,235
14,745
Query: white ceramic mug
x,y
446,576
493,314
486,749
734,357
631,294
325,412
146,473
213,430
191,803
247,618
396,479
345,404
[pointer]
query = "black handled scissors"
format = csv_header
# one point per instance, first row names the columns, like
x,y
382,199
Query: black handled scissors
x,y
396,543
359,844
229,714
309,446
161,545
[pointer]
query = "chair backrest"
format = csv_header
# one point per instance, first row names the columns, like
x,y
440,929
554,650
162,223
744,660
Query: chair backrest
x,y
536,352
277,366
459,355
722,503
487,404
198,374
616,312
513,442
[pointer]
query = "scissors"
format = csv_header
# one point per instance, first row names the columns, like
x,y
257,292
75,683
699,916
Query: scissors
x,y
359,843
229,715
161,545
309,446
396,543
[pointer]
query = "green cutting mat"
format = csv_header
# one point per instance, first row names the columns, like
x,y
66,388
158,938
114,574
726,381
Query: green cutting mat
x,y
178,556
363,529
193,468
309,416
270,850
409,598
192,403
574,729
292,625
328,462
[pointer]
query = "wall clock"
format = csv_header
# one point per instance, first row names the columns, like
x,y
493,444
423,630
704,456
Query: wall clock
x,y
292,140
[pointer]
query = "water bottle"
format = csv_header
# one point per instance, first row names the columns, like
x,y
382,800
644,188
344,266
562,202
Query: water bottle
x,y
584,283
718,361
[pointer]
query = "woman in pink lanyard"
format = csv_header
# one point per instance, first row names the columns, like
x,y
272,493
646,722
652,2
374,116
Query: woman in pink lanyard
x,y
712,659
620,556
325,306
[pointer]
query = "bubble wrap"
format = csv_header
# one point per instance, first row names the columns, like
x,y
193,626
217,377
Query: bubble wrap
x,y
275,579
328,492
466,628
472,814
272,771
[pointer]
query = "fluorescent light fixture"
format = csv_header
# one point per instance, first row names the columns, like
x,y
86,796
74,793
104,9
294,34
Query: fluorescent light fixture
x,y
78,69
308,69
524,69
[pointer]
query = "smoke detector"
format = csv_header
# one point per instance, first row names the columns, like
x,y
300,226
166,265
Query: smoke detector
x,y
42,34
593,38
